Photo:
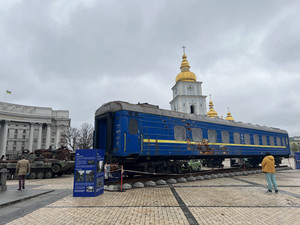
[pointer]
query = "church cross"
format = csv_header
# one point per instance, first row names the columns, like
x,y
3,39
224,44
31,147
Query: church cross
x,y
183,47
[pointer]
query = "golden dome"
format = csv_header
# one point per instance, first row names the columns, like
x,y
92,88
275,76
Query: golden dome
x,y
185,74
212,113
229,117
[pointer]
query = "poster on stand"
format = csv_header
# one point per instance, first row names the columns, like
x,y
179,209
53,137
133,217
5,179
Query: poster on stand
x,y
89,173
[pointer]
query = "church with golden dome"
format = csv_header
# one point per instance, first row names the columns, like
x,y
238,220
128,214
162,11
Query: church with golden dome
x,y
187,92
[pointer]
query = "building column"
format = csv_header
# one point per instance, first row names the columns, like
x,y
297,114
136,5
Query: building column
x,y
3,138
48,135
31,137
39,140
57,137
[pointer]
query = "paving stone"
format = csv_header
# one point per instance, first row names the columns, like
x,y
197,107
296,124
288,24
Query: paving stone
x,y
138,185
150,183
161,182
191,178
217,201
181,180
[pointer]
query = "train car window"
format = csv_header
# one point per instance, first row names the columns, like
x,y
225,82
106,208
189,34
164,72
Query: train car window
x,y
247,139
278,141
237,138
283,142
133,126
264,140
212,136
225,137
271,140
179,133
256,139
197,134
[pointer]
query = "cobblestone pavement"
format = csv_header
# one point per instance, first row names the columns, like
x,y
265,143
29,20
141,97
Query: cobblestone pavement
x,y
234,200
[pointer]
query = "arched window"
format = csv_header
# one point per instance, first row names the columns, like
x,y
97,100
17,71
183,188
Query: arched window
x,y
192,109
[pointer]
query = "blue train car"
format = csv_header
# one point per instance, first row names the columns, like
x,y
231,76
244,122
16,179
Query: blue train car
x,y
144,137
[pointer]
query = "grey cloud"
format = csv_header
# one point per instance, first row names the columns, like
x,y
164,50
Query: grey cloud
x,y
79,55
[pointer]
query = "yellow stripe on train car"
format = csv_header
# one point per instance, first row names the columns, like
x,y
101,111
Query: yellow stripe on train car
x,y
196,143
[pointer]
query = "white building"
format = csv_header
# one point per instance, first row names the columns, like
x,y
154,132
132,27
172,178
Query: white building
x,y
29,127
187,92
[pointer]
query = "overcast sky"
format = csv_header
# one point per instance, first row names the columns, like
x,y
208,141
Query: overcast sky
x,y
77,55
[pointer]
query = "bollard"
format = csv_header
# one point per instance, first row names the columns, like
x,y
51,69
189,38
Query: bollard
x,y
3,175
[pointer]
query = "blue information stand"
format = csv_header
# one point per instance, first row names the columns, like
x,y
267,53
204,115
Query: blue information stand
x,y
297,160
89,173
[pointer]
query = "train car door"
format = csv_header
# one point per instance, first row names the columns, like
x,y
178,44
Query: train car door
x,y
100,138
103,134
132,137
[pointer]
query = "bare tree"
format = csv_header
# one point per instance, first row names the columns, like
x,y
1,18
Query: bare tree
x,y
70,138
78,138
86,136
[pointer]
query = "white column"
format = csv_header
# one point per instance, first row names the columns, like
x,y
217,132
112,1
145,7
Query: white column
x,y
39,141
48,135
31,137
3,140
57,137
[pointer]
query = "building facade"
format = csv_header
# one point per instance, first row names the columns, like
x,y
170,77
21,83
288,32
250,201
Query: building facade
x,y
29,127
187,92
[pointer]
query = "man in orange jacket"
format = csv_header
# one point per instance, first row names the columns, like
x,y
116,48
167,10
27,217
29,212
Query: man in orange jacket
x,y
268,167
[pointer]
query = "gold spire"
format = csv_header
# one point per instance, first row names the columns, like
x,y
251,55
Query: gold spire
x,y
229,117
212,113
185,74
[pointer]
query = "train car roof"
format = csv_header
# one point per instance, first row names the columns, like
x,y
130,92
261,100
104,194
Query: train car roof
x,y
154,109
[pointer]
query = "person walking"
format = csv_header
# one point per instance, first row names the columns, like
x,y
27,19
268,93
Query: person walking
x,y
23,168
268,167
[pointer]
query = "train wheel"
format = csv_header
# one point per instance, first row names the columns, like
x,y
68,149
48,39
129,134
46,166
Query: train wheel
x,y
48,174
150,169
32,175
40,175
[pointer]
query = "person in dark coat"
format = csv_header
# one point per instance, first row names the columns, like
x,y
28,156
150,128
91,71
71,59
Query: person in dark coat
x,y
23,168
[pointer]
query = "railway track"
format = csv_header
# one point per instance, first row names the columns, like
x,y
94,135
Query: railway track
x,y
137,177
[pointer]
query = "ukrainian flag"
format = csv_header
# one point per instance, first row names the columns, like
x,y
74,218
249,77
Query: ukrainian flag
x,y
8,92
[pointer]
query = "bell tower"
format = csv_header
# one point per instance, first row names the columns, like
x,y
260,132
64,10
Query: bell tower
x,y
187,91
